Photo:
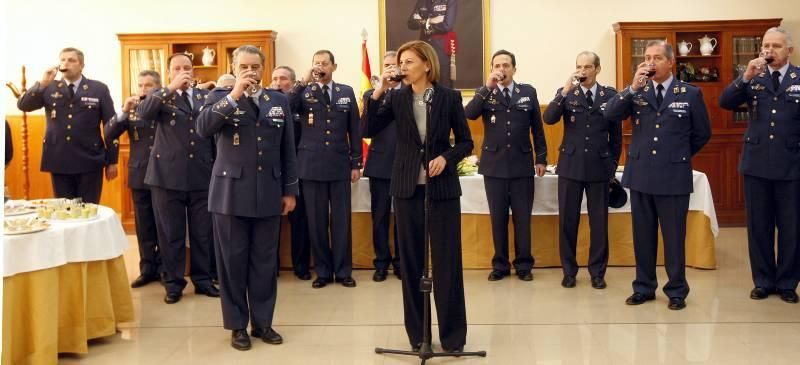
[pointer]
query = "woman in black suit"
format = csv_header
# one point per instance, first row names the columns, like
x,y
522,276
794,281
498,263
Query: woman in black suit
x,y
419,63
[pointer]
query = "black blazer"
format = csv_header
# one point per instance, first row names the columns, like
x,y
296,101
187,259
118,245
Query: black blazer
x,y
180,159
591,145
447,114
772,140
381,150
507,151
141,134
255,164
73,142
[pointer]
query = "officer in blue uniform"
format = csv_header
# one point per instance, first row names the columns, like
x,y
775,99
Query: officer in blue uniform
x,y
328,159
178,174
670,125
76,108
283,78
511,117
770,163
378,169
436,20
254,182
141,134
590,151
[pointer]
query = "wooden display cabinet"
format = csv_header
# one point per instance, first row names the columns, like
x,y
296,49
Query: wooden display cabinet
x,y
738,41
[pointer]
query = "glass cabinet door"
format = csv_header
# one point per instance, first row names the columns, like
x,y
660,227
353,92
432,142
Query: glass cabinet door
x,y
138,59
745,48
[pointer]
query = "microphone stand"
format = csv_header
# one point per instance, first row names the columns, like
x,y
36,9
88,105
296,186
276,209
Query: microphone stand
x,y
425,351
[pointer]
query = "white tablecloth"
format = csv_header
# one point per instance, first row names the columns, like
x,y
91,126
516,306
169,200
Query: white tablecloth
x,y
99,239
545,198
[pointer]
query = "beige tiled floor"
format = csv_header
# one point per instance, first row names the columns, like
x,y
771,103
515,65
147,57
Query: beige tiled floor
x,y
516,322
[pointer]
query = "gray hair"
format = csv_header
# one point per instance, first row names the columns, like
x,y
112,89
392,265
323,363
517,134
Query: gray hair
x,y
224,78
787,36
668,52
247,49
390,54
292,75
595,57
156,77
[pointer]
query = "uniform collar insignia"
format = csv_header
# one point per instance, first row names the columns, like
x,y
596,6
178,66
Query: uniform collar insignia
x,y
85,87
266,97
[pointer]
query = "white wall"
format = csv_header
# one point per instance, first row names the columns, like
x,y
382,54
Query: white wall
x,y
545,35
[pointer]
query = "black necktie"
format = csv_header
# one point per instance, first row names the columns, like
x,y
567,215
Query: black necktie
x,y
507,95
71,88
776,79
249,101
589,97
185,97
659,95
326,95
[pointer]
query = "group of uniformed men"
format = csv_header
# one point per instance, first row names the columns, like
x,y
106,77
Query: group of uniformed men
x,y
224,165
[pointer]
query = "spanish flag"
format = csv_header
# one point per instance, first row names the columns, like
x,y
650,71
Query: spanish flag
x,y
365,85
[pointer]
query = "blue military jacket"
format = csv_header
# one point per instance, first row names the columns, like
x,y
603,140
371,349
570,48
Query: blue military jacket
x,y
659,158
181,159
141,134
507,128
381,148
591,144
330,142
772,140
255,165
72,139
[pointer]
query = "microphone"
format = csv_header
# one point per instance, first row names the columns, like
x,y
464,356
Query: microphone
x,y
427,97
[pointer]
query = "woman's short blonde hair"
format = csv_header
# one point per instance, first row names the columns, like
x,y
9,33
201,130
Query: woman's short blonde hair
x,y
424,51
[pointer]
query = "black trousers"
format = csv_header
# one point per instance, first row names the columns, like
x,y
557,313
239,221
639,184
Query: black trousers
x,y
517,194
448,279
146,233
172,208
87,186
771,203
647,211
301,247
328,208
381,205
570,196
247,263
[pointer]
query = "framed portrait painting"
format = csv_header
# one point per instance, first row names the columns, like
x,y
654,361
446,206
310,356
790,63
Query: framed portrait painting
x,y
457,30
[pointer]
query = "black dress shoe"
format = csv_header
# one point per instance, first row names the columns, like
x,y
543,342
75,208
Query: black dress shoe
x,y
172,298
347,282
598,282
496,275
303,275
676,303
759,293
240,340
452,350
638,298
397,274
568,281
380,275
525,275
143,280
210,291
789,296
320,283
267,335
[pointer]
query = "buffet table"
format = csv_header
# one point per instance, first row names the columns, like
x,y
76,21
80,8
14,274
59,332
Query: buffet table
x,y
62,287
476,234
